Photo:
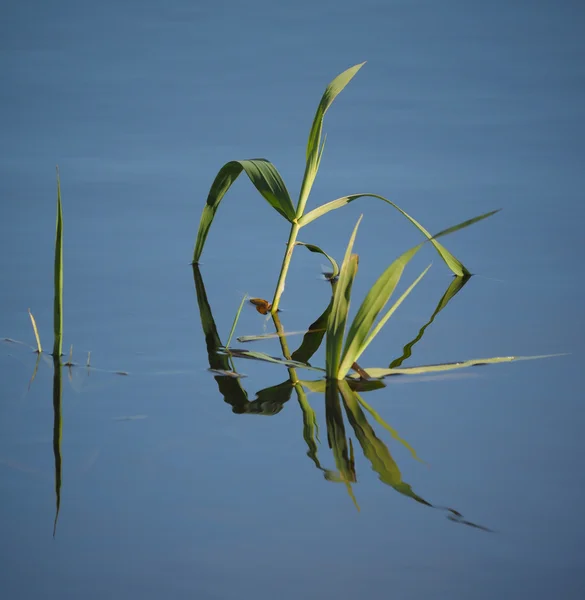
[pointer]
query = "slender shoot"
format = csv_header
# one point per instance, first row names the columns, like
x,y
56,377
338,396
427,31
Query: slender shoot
x,y
236,319
36,331
58,273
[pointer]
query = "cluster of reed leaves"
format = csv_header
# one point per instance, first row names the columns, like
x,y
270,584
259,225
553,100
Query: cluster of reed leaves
x,y
267,180
345,408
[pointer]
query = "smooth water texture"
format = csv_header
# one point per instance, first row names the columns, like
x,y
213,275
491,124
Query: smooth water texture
x,y
166,489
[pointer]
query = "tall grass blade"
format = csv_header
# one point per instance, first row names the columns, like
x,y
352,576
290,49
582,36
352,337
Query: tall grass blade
x,y
341,299
236,319
36,332
58,274
454,287
317,250
57,434
314,145
265,178
453,263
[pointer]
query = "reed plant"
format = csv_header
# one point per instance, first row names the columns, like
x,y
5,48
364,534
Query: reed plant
x,y
267,180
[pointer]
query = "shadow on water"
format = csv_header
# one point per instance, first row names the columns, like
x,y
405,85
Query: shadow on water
x,y
341,397
57,432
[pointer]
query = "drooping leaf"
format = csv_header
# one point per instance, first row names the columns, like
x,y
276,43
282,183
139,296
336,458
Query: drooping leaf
x,y
317,250
265,179
338,316
314,145
455,265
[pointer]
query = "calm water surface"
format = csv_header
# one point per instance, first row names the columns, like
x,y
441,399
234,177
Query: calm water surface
x,y
167,489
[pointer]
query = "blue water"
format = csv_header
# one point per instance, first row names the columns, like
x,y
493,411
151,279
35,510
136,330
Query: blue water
x,y
463,107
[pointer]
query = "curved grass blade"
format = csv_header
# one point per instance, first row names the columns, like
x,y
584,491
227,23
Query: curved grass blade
x,y
266,180
442,367
58,276
453,263
454,287
317,250
314,145
341,299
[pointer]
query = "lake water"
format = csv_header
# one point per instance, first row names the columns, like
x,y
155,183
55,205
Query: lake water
x,y
168,489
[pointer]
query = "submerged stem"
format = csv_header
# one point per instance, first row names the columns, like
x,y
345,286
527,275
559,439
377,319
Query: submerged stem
x,y
290,246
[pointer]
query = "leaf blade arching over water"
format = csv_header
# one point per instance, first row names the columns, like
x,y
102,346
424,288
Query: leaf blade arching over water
x,y
265,178
453,263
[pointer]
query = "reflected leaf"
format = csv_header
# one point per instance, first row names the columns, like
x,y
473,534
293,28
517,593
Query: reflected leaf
x,y
336,437
57,433
373,448
454,288
229,387
310,425
270,400
387,427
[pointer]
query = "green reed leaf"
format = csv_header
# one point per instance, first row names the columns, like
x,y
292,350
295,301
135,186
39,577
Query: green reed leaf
x,y
341,299
314,145
453,263
360,332
443,367
317,250
265,178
